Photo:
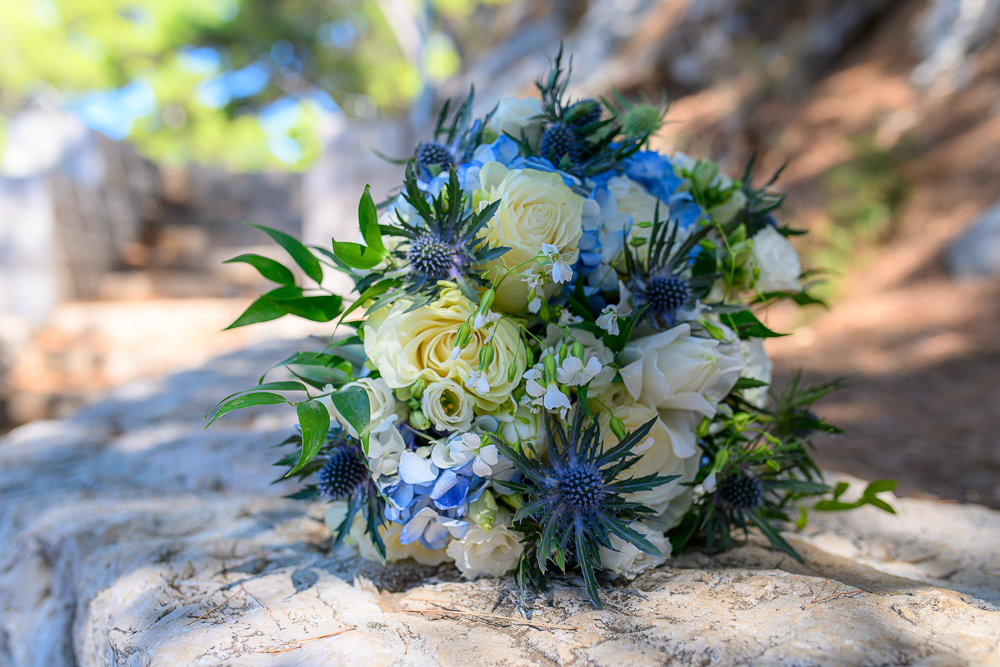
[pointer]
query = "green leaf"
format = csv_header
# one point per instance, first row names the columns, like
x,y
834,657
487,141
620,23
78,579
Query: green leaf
x,y
880,485
314,420
368,221
247,401
260,310
747,325
301,254
774,536
356,255
366,256
316,308
352,403
748,383
285,385
269,268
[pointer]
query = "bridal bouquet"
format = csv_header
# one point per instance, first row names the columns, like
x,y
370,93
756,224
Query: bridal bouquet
x,y
558,359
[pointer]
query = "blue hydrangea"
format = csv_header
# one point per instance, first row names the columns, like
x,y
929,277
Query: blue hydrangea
x,y
654,172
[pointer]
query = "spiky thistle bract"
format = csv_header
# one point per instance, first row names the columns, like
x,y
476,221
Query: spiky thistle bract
x,y
663,276
341,472
576,500
443,240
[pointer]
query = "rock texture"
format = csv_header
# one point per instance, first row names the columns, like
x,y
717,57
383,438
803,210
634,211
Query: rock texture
x,y
129,536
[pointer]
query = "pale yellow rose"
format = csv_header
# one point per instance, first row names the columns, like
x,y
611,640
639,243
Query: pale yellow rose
x,y
409,346
536,207
658,456
394,551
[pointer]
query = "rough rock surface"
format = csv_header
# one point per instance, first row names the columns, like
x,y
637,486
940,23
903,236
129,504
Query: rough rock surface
x,y
130,536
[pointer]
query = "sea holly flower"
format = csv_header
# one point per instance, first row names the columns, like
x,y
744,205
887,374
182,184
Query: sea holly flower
x,y
470,447
575,501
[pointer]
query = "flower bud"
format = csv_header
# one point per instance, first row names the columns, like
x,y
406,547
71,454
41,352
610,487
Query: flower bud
x,y
486,300
512,371
484,510
618,427
549,362
563,351
514,501
544,311
464,335
419,421
576,349
486,356
417,388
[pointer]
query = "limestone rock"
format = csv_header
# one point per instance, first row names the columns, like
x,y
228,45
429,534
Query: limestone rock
x,y
129,536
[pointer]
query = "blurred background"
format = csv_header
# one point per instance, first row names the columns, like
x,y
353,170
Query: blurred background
x,y
136,136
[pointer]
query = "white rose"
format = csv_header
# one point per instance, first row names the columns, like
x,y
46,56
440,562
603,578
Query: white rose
x,y
536,209
409,345
394,551
759,367
382,402
658,455
487,552
673,370
777,261
448,407
523,427
627,560
634,200
518,119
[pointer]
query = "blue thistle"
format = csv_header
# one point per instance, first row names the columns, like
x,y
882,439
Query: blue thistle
x,y
576,500
666,279
584,113
343,473
741,491
560,141
433,156
432,258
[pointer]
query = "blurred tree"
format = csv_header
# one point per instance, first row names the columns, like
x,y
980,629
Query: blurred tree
x,y
241,82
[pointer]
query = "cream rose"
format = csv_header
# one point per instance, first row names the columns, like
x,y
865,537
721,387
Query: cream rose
x,y
448,407
523,427
627,560
491,552
381,400
519,118
409,346
777,261
634,200
658,456
394,550
674,370
536,208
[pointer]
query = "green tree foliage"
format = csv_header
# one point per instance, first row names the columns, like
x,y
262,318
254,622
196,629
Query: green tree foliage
x,y
212,70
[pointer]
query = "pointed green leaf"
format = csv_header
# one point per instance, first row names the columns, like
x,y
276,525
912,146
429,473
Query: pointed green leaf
x,y
352,403
368,222
314,420
774,536
316,308
248,401
301,254
269,268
